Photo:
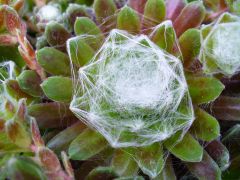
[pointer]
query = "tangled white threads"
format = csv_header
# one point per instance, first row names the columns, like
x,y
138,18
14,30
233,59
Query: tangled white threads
x,y
132,92
222,46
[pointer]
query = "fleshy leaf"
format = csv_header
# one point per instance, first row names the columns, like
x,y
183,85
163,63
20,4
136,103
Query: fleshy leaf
x,y
106,173
48,159
164,36
123,164
128,20
54,61
219,153
149,158
51,115
7,146
154,12
74,11
18,134
227,108
191,16
79,51
58,88
86,145
104,9
83,26
29,82
62,140
188,149
24,168
36,136
190,44
13,90
11,52
167,172
205,126
204,89
137,5
56,35
206,169
174,8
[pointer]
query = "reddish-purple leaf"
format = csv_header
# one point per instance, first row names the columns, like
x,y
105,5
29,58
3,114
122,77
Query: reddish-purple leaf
x,y
174,8
137,5
48,160
227,108
206,168
191,16
36,136
219,153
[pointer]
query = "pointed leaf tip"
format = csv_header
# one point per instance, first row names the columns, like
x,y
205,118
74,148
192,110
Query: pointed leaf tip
x,y
128,20
154,12
191,16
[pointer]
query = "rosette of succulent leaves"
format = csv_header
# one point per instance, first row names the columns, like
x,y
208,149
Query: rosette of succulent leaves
x,y
106,89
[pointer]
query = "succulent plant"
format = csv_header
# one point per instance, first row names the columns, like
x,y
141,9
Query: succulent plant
x,y
131,89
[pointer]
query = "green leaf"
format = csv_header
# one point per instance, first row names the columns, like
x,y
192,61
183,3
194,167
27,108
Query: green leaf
x,y
205,126
191,16
52,115
29,82
102,173
18,133
123,164
188,149
128,20
54,61
190,44
167,172
204,89
58,88
104,9
62,140
164,36
207,169
24,168
154,12
86,145
6,146
149,158
79,51
74,11
85,26
14,92
11,53
56,35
